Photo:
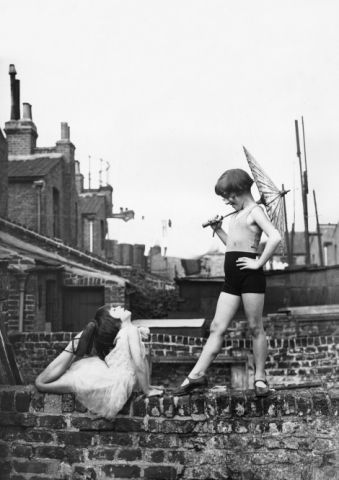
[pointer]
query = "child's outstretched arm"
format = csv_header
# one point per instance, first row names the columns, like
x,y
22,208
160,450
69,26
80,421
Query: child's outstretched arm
x,y
273,240
137,350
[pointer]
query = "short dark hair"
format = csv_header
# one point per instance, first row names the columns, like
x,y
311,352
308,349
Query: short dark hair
x,y
99,333
235,181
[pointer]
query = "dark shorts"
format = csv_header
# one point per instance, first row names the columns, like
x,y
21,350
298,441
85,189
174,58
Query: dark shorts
x,y
242,281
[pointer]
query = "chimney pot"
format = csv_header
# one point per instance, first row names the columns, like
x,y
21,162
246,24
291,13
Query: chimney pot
x,y
12,70
27,111
64,131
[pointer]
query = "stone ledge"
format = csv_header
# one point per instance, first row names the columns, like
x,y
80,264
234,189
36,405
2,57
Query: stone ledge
x,y
212,404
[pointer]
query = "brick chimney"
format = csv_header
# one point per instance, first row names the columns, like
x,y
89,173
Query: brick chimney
x,y
3,176
79,178
64,145
21,132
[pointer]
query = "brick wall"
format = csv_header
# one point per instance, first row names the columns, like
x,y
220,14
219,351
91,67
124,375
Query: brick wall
x,y
291,360
287,436
22,204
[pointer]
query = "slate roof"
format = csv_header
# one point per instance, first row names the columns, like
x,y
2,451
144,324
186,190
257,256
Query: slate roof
x,y
37,167
91,203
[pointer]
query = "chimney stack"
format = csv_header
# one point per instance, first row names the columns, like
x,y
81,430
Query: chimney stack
x,y
15,94
27,111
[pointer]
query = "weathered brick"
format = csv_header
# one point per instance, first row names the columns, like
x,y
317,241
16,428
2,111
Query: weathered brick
x,y
68,403
102,453
7,401
116,439
84,439
90,423
30,466
122,471
22,451
22,419
22,401
50,451
84,473
160,473
176,456
159,440
320,403
130,454
4,449
52,421
36,435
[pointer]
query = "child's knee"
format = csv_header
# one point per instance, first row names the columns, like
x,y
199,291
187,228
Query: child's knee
x,y
256,329
217,329
39,384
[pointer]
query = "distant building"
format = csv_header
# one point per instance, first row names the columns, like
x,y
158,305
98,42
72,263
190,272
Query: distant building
x,y
329,244
46,188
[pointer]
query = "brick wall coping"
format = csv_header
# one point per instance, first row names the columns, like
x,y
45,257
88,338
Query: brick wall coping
x,y
183,339
23,405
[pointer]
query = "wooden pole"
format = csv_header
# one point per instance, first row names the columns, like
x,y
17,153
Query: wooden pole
x,y
292,244
287,240
321,256
303,181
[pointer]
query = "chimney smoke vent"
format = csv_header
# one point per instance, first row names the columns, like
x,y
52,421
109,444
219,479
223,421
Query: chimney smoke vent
x,y
65,131
15,94
27,111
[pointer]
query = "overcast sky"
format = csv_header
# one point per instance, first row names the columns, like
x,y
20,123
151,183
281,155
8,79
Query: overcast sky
x,y
168,92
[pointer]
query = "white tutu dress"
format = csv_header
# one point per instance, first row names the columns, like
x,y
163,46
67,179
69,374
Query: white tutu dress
x,y
105,386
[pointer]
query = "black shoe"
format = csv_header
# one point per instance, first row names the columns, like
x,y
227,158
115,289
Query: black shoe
x,y
261,391
193,384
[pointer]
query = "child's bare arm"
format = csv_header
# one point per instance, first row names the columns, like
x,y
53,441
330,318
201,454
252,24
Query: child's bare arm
x,y
273,236
273,240
217,228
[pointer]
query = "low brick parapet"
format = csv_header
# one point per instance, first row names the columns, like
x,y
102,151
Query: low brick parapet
x,y
213,435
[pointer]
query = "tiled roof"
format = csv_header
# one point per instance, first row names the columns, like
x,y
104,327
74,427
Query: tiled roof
x,y
91,203
37,167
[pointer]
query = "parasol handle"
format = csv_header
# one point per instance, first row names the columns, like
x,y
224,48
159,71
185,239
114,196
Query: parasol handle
x,y
216,220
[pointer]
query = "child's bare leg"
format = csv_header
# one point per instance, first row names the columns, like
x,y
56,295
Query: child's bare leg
x,y
253,306
226,308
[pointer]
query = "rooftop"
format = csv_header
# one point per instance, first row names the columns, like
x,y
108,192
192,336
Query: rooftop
x,y
32,165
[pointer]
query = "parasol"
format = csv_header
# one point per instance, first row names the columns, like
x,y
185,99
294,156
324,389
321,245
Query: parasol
x,y
270,196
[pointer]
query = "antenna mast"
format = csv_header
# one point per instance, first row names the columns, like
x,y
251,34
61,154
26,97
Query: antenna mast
x,y
108,166
100,173
89,172
304,189
321,256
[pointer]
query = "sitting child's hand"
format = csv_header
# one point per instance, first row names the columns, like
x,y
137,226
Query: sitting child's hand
x,y
144,332
155,392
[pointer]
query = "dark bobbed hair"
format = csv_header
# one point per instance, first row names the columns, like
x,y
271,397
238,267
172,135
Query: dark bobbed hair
x,y
234,181
99,333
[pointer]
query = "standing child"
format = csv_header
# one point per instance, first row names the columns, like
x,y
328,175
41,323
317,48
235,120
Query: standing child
x,y
244,278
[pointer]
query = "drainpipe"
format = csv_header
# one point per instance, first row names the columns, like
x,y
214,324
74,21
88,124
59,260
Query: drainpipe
x,y
39,185
22,282
91,233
